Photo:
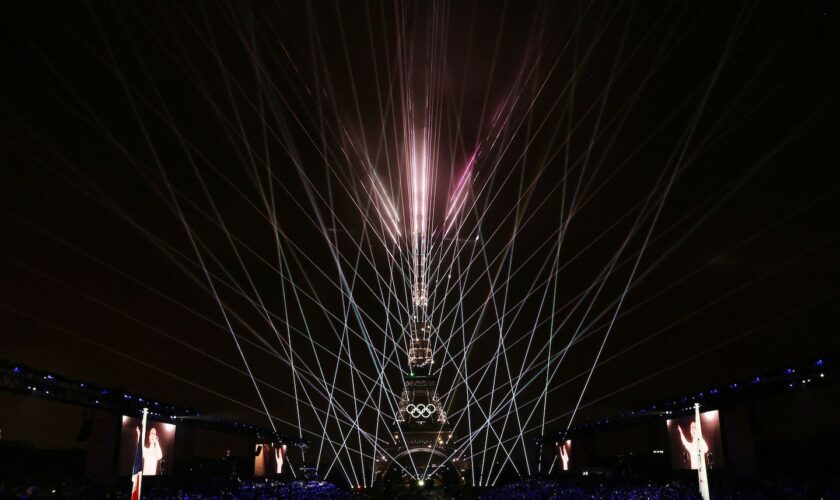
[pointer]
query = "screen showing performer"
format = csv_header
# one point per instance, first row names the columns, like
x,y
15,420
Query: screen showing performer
x,y
269,459
689,444
279,458
564,454
158,443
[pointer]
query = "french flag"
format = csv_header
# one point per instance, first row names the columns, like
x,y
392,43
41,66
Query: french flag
x,y
137,469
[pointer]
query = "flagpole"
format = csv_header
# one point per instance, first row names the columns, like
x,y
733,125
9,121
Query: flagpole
x,y
702,477
142,446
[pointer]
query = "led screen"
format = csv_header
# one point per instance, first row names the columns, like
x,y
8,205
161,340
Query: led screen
x,y
564,454
158,444
269,459
685,439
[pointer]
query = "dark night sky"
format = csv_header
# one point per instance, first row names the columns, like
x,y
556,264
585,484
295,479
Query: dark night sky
x,y
94,260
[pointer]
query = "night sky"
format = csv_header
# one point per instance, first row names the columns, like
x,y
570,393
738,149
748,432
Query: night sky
x,y
704,133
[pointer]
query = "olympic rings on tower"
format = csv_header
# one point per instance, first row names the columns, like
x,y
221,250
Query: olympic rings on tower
x,y
420,410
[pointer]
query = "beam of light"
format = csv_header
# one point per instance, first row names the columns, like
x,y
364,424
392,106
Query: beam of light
x,y
150,366
488,418
168,336
419,166
728,341
597,238
391,219
458,198
580,338
513,390
287,325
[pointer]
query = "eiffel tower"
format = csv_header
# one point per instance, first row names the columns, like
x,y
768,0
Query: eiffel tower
x,y
422,438
421,433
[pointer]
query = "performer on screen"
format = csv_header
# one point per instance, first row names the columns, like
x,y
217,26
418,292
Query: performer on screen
x,y
151,454
279,452
692,446
564,456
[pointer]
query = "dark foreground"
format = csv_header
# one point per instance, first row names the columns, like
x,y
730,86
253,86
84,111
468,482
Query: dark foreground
x,y
525,489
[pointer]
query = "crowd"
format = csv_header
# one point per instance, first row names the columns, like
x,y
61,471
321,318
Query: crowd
x,y
552,489
259,489
549,489
252,490
206,490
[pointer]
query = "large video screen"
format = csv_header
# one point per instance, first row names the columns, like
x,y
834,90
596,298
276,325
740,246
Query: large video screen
x,y
689,444
269,459
158,444
564,454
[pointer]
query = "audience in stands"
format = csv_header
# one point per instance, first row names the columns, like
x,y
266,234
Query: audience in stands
x,y
527,489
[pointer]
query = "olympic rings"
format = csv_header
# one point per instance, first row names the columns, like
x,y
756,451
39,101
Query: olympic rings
x,y
420,410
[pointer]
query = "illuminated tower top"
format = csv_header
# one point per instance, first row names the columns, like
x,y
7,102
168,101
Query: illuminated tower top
x,y
419,352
